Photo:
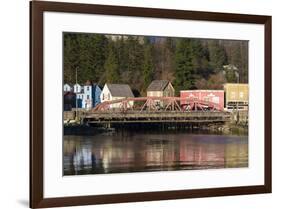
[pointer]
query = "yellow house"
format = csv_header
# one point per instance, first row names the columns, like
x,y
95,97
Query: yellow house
x,y
236,96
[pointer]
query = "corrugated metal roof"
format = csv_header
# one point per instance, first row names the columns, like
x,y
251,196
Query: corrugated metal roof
x,y
157,85
120,90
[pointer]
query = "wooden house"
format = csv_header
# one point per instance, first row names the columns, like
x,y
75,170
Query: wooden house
x,y
160,88
91,95
67,87
77,88
112,92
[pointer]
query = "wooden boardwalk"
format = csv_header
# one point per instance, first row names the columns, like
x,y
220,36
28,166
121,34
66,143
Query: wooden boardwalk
x,y
156,117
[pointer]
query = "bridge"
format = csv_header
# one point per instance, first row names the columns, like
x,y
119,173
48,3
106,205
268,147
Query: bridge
x,y
156,110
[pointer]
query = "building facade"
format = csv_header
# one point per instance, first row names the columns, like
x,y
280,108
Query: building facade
x,y
67,87
213,96
68,100
86,96
160,88
111,92
236,96
91,95
77,88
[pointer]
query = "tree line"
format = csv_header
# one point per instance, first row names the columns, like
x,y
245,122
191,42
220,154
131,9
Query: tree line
x,y
137,60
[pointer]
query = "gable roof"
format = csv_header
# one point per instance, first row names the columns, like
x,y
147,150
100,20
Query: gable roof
x,y
120,90
158,85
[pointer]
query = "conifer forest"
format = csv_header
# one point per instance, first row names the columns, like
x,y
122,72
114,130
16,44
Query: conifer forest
x,y
188,63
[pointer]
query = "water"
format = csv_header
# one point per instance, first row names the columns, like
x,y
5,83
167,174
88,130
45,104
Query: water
x,y
125,152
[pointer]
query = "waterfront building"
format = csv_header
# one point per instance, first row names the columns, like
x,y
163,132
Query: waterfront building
x,y
213,96
236,96
90,96
69,100
80,96
77,88
86,96
67,87
160,88
112,92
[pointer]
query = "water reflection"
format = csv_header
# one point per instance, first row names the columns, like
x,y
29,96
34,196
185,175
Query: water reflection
x,y
127,152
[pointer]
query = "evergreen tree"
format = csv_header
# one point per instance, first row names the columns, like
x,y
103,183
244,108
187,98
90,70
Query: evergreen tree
x,y
111,65
136,60
147,65
70,58
217,56
200,60
184,74
98,48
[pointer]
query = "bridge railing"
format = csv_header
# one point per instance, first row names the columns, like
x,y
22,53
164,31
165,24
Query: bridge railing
x,y
156,104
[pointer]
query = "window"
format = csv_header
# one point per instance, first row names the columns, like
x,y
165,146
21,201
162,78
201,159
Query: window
x,y
233,95
88,96
241,94
88,88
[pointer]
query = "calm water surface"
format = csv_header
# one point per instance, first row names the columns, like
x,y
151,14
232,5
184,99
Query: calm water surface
x,y
128,152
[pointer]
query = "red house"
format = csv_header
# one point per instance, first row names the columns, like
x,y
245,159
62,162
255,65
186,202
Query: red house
x,y
214,96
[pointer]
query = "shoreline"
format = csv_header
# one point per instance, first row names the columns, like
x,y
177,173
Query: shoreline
x,y
226,129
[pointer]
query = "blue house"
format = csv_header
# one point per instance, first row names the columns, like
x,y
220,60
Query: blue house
x,y
89,95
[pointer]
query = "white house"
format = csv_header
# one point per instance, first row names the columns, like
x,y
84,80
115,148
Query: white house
x,y
88,95
77,88
112,92
67,88
91,95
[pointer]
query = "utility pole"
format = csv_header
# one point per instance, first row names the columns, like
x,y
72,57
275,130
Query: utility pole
x,y
76,109
237,76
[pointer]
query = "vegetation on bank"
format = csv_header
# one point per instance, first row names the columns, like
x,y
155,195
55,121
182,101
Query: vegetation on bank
x,y
137,60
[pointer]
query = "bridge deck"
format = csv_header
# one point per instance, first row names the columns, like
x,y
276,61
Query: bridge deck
x,y
157,117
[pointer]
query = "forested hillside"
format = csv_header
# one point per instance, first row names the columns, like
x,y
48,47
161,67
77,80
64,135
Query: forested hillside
x,y
137,60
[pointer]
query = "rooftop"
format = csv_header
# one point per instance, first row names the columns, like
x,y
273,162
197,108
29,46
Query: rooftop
x,y
120,90
158,85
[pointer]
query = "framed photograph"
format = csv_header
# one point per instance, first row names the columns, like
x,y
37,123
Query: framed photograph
x,y
139,104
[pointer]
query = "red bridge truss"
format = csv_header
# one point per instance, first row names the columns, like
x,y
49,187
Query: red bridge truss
x,y
157,104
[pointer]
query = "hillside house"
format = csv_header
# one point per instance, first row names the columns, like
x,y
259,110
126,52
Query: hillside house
x,y
91,95
112,92
87,96
160,88
67,87
77,88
